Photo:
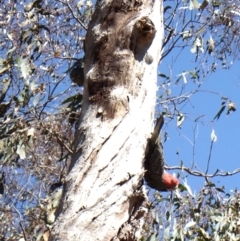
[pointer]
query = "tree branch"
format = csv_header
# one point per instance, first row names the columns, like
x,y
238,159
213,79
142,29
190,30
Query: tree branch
x,y
75,17
201,174
209,157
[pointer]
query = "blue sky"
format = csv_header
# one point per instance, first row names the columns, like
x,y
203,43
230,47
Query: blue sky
x,y
225,151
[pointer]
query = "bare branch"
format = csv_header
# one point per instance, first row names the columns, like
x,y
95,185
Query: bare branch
x,y
209,157
75,17
201,174
23,230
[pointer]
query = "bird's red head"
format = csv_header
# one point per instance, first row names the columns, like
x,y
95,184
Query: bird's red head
x,y
169,181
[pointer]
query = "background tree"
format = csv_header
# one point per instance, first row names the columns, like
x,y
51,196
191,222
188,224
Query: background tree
x,y
41,42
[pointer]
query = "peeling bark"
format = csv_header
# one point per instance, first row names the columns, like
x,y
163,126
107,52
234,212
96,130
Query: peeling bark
x,y
103,195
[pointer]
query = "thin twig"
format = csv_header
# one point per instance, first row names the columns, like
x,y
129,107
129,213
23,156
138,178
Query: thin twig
x,y
75,17
201,174
20,223
60,141
195,131
24,234
209,157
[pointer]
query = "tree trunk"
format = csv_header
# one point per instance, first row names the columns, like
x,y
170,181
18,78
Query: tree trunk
x,y
102,193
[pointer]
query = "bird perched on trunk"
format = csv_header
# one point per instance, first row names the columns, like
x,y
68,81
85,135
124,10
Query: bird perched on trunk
x,y
155,176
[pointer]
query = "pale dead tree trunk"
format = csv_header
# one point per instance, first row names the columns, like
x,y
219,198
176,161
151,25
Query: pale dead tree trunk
x,y
103,191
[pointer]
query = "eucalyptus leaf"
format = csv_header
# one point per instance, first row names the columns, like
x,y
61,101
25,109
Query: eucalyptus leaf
x,y
21,151
213,136
23,66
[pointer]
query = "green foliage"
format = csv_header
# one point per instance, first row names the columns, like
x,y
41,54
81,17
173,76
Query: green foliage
x,y
39,43
210,215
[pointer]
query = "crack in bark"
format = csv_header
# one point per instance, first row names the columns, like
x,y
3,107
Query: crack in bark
x,y
88,162
125,180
